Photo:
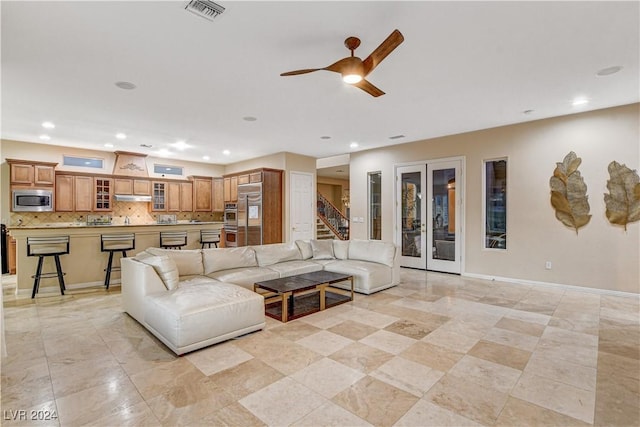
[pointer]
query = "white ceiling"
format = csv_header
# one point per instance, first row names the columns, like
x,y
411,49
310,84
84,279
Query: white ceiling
x,y
463,66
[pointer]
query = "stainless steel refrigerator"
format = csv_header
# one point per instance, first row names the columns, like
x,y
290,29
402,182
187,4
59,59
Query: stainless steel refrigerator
x,y
249,214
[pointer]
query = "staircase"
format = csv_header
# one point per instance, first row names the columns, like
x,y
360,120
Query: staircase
x,y
323,232
330,222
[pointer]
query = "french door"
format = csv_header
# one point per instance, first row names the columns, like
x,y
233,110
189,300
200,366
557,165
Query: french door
x,y
429,211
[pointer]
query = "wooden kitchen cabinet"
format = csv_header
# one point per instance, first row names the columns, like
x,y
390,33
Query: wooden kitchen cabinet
x,y
136,187
64,196
243,179
226,189
141,187
202,190
83,193
218,195
11,256
173,197
234,188
230,189
122,186
186,196
31,174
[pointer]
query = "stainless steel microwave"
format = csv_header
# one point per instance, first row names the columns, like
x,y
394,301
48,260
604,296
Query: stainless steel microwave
x,y
29,200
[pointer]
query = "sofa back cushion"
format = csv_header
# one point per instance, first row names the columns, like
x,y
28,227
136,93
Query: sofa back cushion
x,y
218,259
373,251
322,249
277,252
341,249
189,262
305,248
164,266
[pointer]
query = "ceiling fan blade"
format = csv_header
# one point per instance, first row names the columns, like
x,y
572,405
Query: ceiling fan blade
x,y
338,66
381,52
369,88
305,71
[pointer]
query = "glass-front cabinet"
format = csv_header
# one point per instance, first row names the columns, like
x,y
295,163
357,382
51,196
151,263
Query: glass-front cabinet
x,y
103,194
159,202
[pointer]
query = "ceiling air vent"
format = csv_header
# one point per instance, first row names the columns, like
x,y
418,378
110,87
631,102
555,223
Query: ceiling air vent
x,y
205,8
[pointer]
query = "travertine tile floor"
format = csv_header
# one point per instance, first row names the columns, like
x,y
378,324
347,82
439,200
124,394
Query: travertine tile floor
x,y
436,350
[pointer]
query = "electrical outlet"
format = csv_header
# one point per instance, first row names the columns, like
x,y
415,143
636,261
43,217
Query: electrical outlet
x,y
547,265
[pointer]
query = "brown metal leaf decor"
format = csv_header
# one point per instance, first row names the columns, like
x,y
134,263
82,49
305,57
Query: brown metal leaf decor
x,y
623,200
569,193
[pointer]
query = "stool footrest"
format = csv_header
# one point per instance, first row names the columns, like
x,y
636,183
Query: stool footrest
x,y
47,275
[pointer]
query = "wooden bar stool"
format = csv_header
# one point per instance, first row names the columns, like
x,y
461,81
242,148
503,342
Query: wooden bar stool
x,y
116,243
43,247
209,237
173,239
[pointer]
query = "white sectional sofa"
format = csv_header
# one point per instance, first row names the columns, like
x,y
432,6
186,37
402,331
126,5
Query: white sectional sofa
x,y
194,298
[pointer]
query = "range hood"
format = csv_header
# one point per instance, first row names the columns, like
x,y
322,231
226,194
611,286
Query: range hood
x,y
131,198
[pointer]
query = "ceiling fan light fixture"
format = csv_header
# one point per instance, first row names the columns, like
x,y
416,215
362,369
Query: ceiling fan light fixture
x,y
351,78
352,71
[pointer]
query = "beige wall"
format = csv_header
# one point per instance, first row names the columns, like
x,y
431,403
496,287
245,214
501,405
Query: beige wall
x,y
599,256
333,189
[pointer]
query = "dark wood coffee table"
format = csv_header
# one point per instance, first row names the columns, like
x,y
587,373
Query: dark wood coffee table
x,y
291,297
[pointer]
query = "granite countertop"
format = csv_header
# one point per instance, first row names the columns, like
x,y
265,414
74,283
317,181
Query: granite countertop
x,y
85,225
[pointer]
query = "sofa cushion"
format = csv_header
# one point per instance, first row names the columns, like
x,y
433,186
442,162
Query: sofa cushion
x,y
322,249
367,276
165,267
305,248
196,280
341,249
245,276
189,262
372,250
192,314
218,259
291,268
278,252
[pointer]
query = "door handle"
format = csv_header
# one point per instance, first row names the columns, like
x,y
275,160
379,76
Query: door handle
x,y
423,229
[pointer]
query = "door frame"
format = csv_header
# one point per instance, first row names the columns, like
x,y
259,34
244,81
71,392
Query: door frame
x,y
460,208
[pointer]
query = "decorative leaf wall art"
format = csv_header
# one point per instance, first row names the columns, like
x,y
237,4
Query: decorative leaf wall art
x,y
623,200
569,193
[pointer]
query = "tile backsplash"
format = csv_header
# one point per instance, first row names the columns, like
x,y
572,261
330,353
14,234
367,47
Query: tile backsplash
x,y
138,213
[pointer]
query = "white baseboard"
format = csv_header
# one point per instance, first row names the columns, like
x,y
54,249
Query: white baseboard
x,y
551,285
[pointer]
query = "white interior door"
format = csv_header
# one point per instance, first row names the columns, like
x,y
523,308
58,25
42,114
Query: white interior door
x,y
444,236
302,215
411,214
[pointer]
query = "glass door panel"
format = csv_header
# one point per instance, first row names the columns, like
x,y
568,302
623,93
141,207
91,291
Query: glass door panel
x,y
412,214
444,242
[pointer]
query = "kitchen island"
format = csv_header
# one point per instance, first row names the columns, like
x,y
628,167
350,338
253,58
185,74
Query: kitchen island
x,y
85,264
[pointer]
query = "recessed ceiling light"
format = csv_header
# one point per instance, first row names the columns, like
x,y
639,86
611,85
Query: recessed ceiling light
x,y
325,137
528,111
108,145
48,125
609,70
249,119
45,137
125,85
164,152
121,136
205,157
353,145
226,152
180,145
579,101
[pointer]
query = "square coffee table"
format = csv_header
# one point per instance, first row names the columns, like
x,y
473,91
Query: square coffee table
x,y
291,297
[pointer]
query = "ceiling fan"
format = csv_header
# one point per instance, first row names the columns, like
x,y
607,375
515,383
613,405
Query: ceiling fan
x,y
353,69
